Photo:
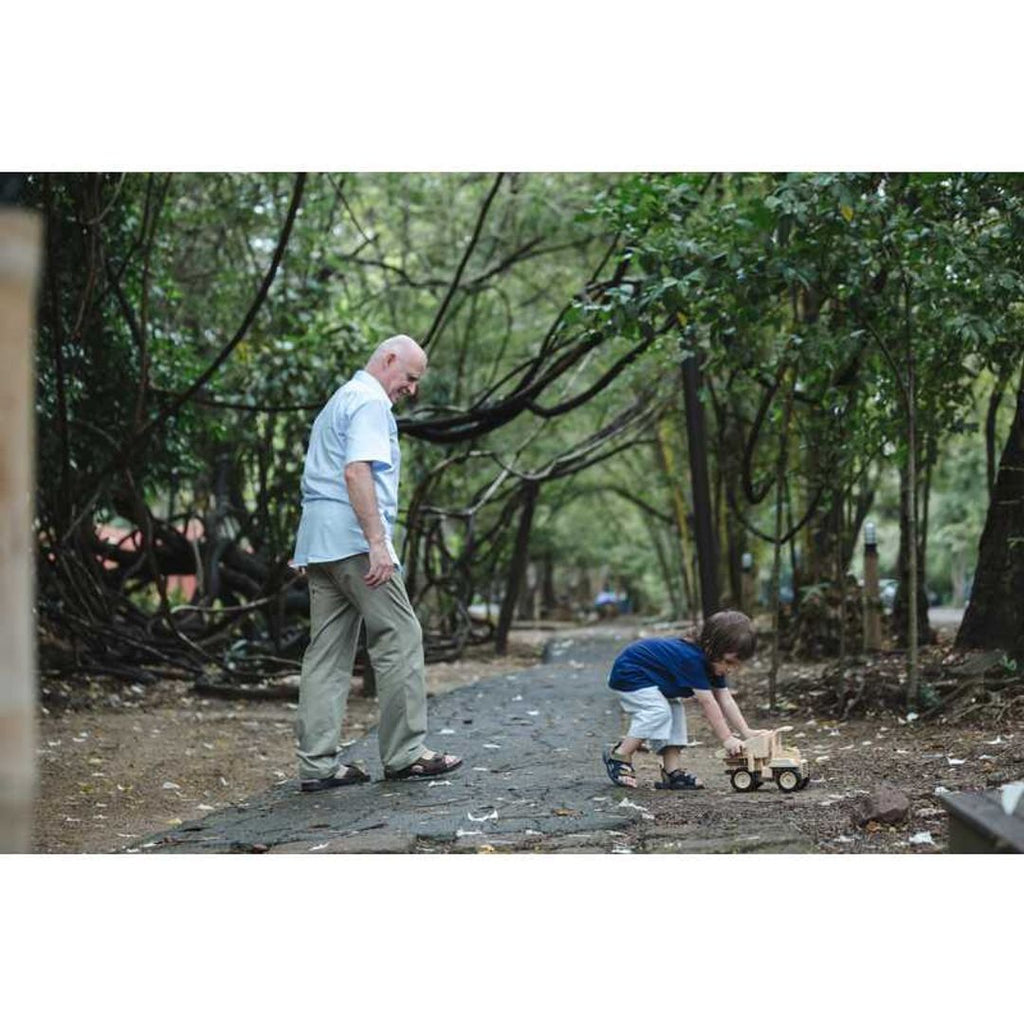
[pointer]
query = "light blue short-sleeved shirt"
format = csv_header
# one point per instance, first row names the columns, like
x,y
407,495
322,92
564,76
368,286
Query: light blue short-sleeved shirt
x,y
356,425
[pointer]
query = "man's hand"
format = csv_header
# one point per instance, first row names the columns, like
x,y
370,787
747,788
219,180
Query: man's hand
x,y
733,746
381,566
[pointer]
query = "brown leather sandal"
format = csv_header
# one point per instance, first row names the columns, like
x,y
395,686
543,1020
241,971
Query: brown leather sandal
x,y
351,774
425,767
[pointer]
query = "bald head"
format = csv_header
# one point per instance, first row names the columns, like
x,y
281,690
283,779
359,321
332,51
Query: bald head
x,y
398,364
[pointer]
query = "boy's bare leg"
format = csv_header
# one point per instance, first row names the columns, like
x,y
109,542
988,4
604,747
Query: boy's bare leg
x,y
624,751
671,759
627,747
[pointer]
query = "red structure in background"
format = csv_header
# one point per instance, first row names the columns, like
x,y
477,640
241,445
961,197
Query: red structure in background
x,y
128,540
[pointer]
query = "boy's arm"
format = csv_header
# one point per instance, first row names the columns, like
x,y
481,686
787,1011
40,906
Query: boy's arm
x,y
732,713
713,713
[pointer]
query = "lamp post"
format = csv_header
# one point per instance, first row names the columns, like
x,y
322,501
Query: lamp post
x,y
748,598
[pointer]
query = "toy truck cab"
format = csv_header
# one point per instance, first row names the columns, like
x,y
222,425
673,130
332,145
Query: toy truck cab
x,y
765,757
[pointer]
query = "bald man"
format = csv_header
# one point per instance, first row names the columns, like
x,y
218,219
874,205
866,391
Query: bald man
x,y
349,507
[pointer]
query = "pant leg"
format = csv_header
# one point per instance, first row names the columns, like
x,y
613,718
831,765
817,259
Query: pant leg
x,y
326,673
679,736
650,716
394,641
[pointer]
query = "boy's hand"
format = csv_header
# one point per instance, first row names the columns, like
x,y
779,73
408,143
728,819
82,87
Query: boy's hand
x,y
733,746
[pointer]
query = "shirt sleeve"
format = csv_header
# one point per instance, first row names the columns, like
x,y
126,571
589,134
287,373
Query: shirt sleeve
x,y
369,434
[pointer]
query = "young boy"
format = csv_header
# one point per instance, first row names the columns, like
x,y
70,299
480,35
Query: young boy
x,y
652,676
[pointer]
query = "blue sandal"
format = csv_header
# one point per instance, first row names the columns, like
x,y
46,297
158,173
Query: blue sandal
x,y
616,769
678,780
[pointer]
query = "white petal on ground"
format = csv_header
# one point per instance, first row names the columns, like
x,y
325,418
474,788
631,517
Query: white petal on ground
x,y
922,839
493,816
644,812
954,761
460,833
171,785
447,732
439,782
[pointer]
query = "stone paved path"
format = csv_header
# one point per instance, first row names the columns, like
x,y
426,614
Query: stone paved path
x,y
532,781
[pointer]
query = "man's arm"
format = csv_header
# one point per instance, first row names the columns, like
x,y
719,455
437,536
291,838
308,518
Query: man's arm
x,y
713,713
363,498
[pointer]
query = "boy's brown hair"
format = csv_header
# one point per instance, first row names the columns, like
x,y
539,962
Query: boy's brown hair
x,y
728,632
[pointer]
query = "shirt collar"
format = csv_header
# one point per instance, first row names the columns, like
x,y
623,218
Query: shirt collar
x,y
368,378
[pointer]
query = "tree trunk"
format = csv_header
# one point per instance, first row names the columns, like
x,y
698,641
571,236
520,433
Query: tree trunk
x,y
20,246
516,567
707,553
673,479
901,606
913,630
547,586
780,495
995,613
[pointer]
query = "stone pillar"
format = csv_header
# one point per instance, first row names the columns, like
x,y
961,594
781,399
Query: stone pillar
x,y
872,604
20,254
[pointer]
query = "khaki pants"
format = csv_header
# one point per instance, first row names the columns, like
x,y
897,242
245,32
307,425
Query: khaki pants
x,y
339,601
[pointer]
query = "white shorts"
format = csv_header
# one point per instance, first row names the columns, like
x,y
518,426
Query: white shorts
x,y
655,718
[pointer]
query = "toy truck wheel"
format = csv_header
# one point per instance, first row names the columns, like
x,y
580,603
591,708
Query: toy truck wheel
x,y
788,780
742,781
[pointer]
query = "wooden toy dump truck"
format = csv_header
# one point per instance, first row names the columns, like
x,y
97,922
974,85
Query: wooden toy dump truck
x,y
765,757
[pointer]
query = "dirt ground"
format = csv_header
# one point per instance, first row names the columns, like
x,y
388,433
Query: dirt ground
x,y
119,762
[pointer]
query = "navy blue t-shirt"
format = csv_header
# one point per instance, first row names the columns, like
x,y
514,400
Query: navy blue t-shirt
x,y
676,666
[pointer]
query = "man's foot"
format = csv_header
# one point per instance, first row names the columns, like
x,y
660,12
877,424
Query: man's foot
x,y
346,775
619,771
427,766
